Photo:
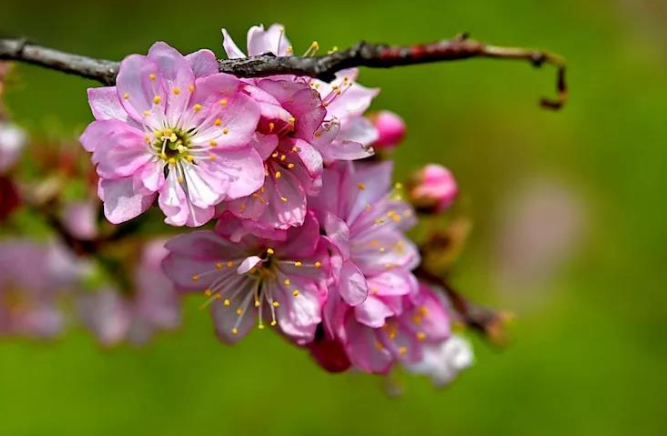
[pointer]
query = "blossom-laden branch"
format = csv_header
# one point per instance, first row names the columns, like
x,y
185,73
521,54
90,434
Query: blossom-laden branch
x,y
362,54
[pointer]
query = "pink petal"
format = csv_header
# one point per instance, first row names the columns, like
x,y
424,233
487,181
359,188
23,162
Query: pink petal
x,y
176,75
248,264
372,182
121,202
359,129
202,185
352,284
105,104
364,349
120,150
286,201
225,318
239,172
262,41
230,125
202,62
392,283
204,246
149,178
232,50
302,242
173,202
372,312
138,83
297,316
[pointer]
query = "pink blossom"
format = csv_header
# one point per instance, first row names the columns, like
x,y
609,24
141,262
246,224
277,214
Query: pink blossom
x,y
80,219
346,101
250,280
151,305
433,188
444,361
12,141
175,129
390,128
33,279
389,327
288,138
364,218
260,41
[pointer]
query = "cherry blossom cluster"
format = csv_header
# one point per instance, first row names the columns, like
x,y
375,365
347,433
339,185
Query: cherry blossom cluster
x,y
295,223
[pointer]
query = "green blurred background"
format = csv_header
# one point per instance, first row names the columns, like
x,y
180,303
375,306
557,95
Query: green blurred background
x,y
588,354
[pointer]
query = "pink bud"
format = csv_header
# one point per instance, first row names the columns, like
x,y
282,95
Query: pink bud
x,y
391,129
433,188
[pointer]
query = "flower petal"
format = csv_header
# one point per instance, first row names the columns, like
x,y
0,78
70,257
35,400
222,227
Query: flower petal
x,y
364,349
176,76
232,50
273,40
119,150
121,202
352,284
372,312
202,62
138,84
105,104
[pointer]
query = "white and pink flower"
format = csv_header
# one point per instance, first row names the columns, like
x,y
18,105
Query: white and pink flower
x,y
175,129
254,281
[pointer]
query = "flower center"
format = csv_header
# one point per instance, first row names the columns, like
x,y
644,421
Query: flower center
x,y
172,145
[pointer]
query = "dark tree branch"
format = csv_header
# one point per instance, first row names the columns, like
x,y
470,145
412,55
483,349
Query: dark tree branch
x,y
484,320
324,67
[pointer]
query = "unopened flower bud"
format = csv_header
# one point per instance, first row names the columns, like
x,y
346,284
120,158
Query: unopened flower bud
x,y
433,188
390,128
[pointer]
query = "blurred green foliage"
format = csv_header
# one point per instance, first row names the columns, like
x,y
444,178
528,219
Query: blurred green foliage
x,y
590,359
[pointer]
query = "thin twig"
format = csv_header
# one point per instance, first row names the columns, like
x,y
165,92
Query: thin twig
x,y
325,67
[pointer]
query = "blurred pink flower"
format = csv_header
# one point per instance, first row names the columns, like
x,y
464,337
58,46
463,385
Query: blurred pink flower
x,y
540,228
33,278
251,280
433,188
176,129
152,305
390,127
80,219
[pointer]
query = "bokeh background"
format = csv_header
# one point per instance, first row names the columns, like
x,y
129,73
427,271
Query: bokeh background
x,y
569,214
